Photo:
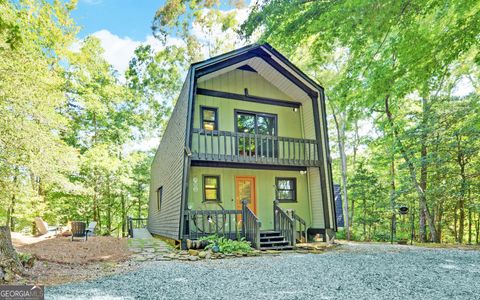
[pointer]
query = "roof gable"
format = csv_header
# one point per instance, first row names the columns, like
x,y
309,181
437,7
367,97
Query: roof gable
x,y
268,63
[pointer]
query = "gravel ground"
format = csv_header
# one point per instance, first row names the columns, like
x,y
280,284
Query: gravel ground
x,y
353,271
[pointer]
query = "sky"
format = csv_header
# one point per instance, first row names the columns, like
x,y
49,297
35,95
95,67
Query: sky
x,y
121,26
124,18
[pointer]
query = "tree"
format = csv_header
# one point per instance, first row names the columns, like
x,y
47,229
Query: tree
x,y
382,63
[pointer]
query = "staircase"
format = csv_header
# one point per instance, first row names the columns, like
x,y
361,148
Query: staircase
x,y
273,240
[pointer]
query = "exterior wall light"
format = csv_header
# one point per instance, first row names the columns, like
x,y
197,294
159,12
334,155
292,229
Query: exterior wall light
x,y
295,109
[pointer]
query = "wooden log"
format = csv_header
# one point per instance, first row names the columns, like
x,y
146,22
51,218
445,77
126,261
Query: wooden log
x,y
196,244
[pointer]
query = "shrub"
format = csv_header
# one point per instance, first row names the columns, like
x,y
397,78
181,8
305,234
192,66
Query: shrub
x,y
227,245
27,259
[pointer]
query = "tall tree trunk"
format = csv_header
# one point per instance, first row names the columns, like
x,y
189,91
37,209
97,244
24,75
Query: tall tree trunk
x,y
392,199
10,212
124,213
463,188
455,222
364,218
139,200
422,199
352,214
356,143
11,209
9,261
109,207
422,226
470,219
341,135
438,219
477,229
423,169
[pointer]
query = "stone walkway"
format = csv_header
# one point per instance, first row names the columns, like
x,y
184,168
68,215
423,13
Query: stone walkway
x,y
149,249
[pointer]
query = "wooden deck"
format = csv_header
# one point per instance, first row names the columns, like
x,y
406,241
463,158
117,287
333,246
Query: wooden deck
x,y
239,147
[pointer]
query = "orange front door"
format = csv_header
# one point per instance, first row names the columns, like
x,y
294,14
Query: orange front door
x,y
245,190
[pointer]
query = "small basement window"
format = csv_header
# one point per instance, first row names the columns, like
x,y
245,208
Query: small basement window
x,y
209,118
286,189
159,197
211,188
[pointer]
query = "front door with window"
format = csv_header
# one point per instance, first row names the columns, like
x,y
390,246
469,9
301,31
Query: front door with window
x,y
245,190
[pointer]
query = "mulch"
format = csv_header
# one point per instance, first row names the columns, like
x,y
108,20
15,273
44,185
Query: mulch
x,y
63,250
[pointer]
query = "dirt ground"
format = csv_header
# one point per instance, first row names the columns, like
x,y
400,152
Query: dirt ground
x,y
59,260
63,250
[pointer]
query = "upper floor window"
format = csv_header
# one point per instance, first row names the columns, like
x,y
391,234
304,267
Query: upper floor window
x,y
211,188
259,123
209,118
256,123
286,189
159,197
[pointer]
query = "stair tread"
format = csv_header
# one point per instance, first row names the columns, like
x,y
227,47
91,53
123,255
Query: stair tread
x,y
272,237
273,242
277,248
270,234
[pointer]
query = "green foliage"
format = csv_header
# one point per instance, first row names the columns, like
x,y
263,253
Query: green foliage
x,y
69,123
392,67
227,245
27,259
177,18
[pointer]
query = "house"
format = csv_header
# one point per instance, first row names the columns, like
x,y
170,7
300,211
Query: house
x,y
245,154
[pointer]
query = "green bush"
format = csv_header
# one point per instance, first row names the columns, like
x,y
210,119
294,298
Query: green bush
x,y
27,259
227,245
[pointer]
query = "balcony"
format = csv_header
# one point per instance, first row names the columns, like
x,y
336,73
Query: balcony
x,y
239,147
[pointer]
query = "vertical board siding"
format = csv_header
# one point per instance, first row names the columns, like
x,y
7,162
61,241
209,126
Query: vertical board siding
x,y
318,220
167,171
236,81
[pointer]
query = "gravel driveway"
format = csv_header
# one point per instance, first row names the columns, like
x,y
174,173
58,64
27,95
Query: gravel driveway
x,y
354,271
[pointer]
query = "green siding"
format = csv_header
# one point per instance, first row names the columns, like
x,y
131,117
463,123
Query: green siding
x,y
237,80
265,193
289,121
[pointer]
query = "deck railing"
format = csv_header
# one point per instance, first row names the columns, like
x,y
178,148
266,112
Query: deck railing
x,y
134,223
284,223
203,223
300,226
251,226
216,145
232,224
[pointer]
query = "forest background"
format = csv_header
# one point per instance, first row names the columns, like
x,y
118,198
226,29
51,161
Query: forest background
x,y
402,86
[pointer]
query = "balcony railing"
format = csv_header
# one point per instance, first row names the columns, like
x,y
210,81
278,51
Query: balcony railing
x,y
226,146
